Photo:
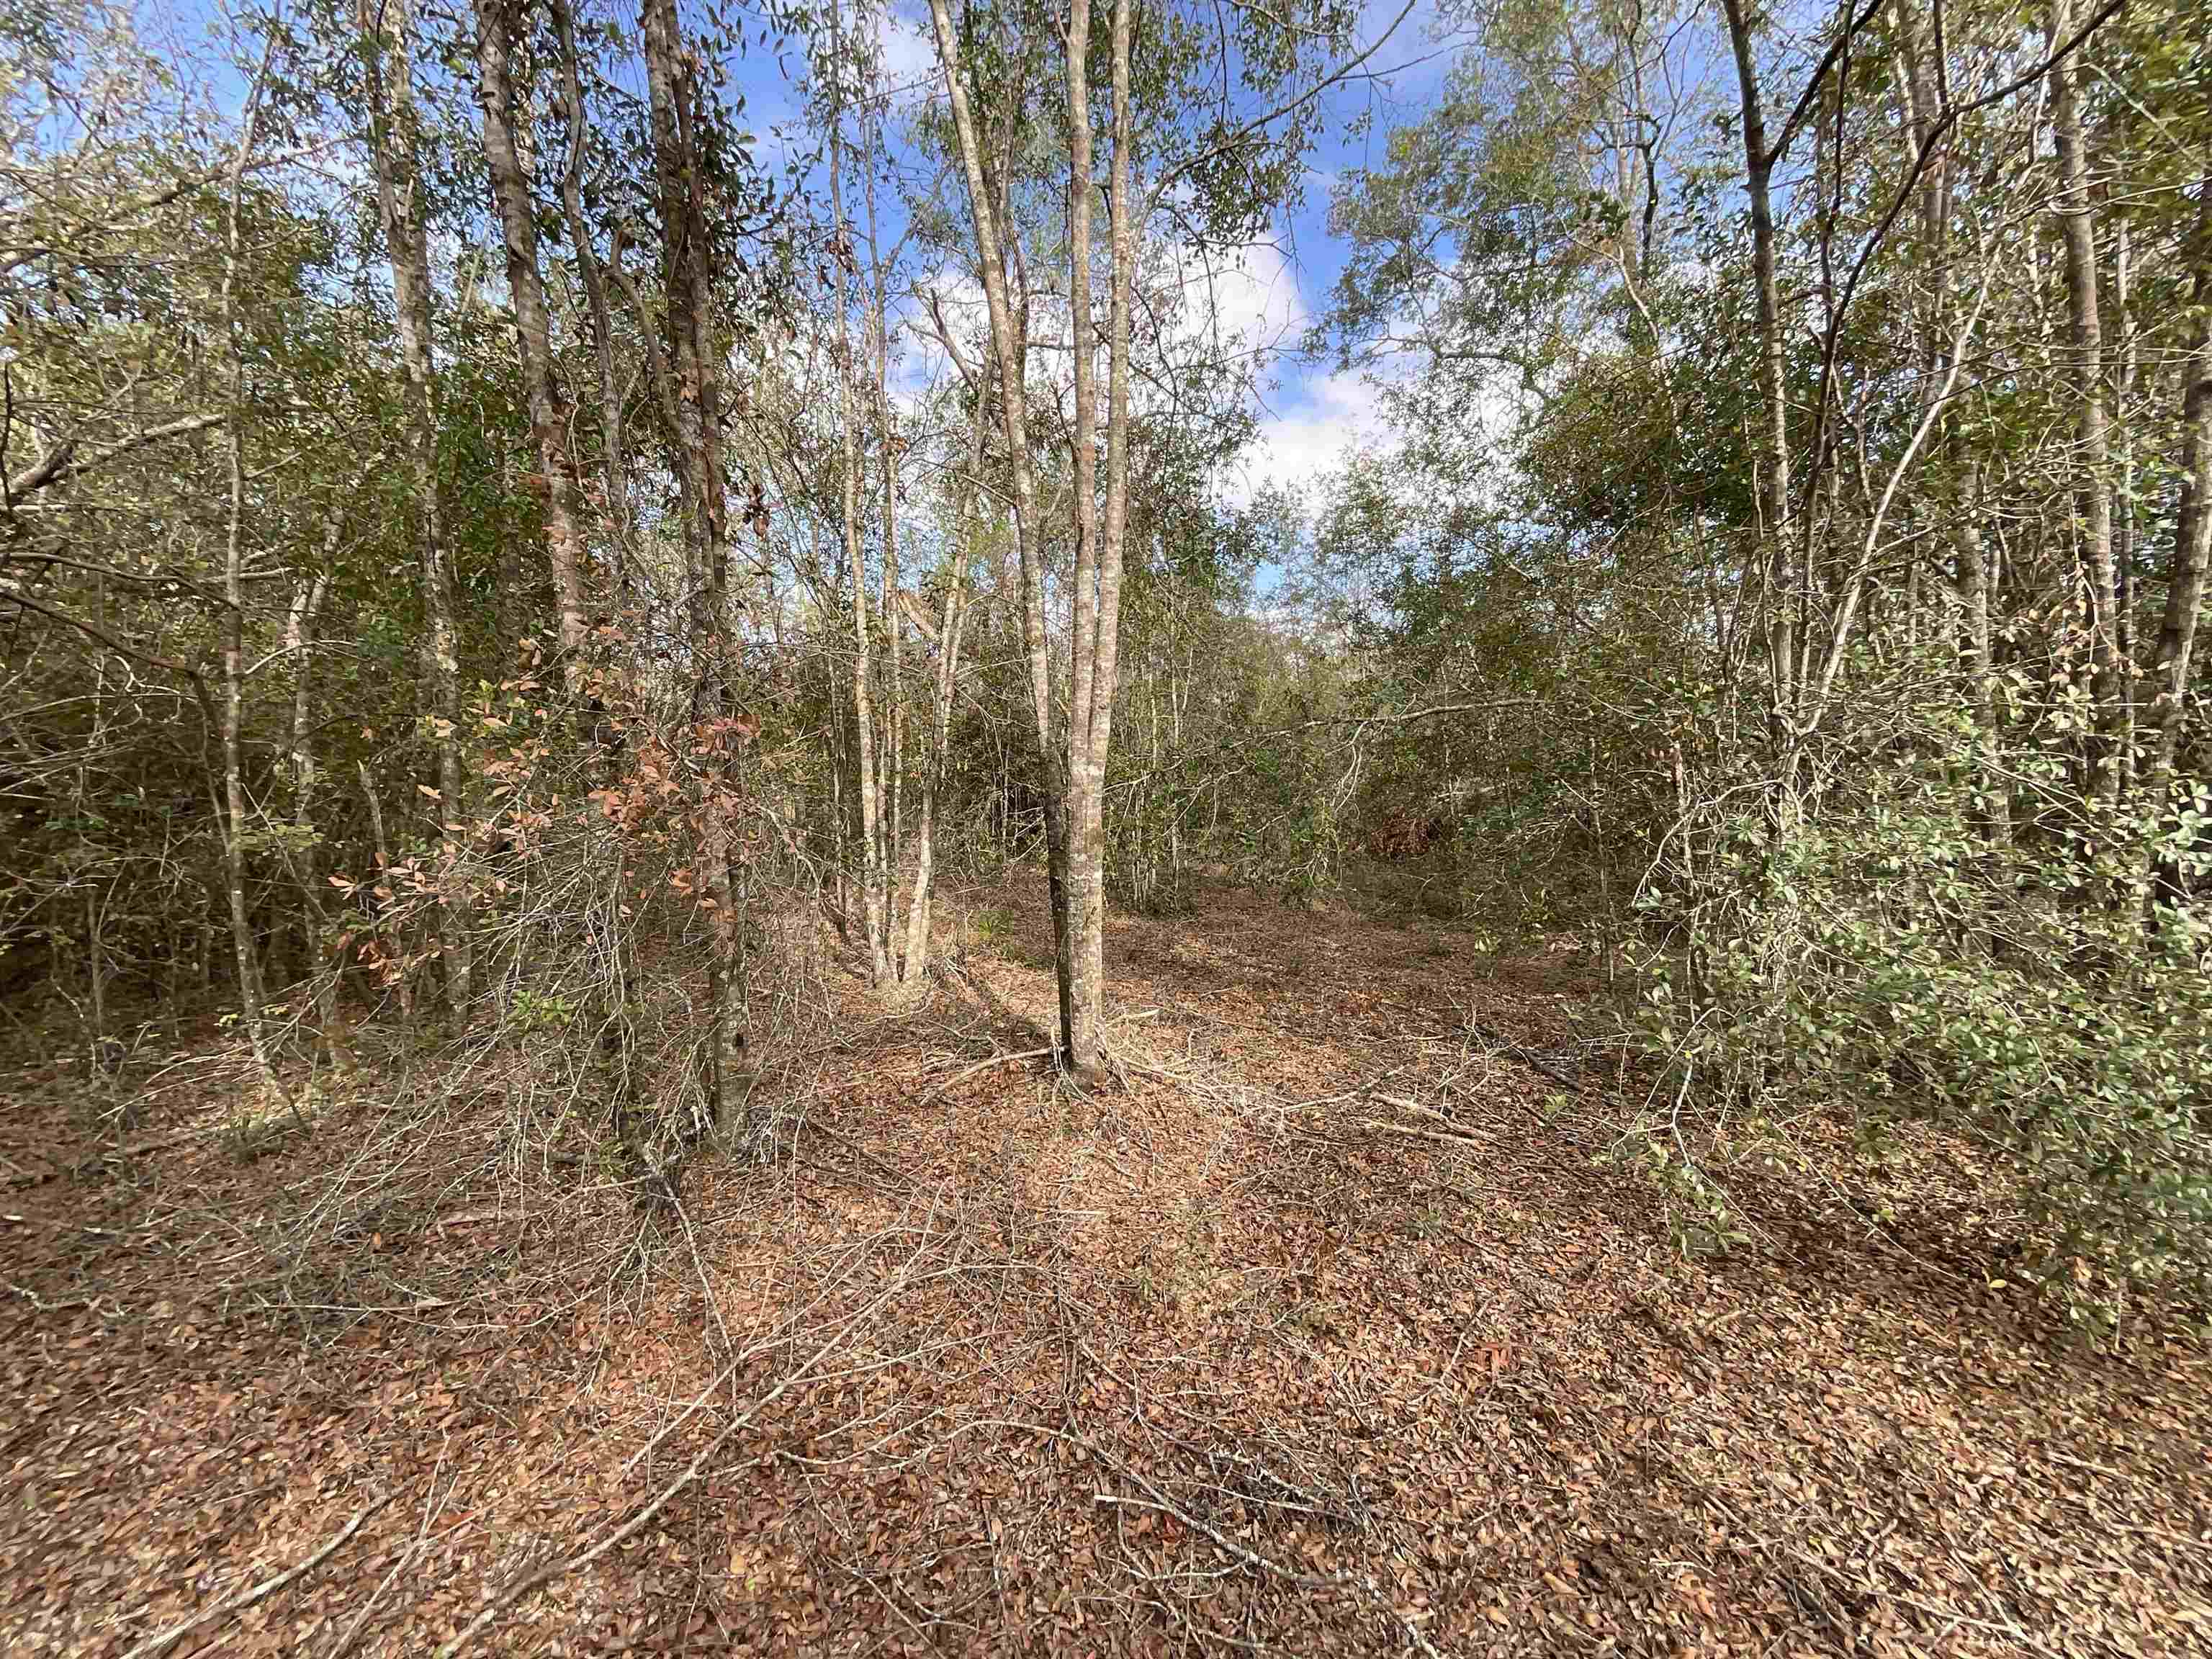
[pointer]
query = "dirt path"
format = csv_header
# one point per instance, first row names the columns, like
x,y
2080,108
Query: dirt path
x,y
1323,1332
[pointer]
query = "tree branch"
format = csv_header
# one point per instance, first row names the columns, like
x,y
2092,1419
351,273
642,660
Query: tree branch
x,y
63,462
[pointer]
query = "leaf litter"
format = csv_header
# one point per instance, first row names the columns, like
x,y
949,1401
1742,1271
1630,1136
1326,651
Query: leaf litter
x,y
1320,1329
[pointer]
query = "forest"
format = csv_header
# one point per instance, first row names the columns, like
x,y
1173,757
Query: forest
x,y
1085,827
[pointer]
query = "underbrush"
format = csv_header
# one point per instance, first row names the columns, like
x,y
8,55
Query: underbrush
x,y
2031,978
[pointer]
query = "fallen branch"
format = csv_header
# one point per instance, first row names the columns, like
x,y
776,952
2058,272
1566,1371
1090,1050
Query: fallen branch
x,y
560,1566
1516,1050
1157,1500
77,1167
959,1077
467,1217
404,1559
244,1598
1448,1137
140,1148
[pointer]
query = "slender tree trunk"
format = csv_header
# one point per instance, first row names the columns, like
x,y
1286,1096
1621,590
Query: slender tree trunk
x,y
1104,646
1774,492
840,874
1010,345
894,681
614,467
2085,370
1085,1033
94,940
672,99
96,975
525,284
2192,532
2124,511
388,29
1972,563
393,946
235,824
299,643
1924,109
848,486
953,622
1959,499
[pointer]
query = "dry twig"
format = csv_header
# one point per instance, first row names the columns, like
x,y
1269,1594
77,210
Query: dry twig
x,y
266,1587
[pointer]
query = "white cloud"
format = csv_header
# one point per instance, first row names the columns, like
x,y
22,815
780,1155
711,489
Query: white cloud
x,y
1257,297
1240,300
908,46
920,363
1243,299
1327,421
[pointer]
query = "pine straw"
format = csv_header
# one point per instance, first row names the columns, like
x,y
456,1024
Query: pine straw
x,y
1223,1358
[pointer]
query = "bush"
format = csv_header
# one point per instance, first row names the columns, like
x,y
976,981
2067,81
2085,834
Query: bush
x,y
1912,948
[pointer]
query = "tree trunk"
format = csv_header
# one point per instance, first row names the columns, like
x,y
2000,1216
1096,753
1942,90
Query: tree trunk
x,y
392,945
1974,581
235,813
298,642
1774,492
234,821
678,166
1010,345
95,931
1925,102
1105,647
2192,533
1085,1035
954,620
399,190
848,485
894,698
525,284
613,465
2123,510
2086,369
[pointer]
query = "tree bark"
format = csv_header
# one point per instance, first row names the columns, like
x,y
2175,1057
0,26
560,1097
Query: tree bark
x,y
390,944
396,147
2123,495
233,629
1972,563
953,622
2085,370
893,803
867,790
2192,534
1105,646
680,186
298,642
1010,345
1085,1037
613,465
1773,491
525,284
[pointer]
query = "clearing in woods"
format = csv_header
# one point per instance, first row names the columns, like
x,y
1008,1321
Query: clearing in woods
x,y
1323,1331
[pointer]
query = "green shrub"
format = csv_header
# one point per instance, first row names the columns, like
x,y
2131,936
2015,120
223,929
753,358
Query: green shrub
x,y
1908,950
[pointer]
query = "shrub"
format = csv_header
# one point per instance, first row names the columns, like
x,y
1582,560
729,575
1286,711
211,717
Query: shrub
x,y
2035,978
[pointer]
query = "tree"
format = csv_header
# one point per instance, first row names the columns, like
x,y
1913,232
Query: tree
x,y
1702,567
526,285
1201,148
688,372
388,54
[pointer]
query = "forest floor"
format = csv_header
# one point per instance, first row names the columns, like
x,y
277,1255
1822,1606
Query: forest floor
x,y
1322,1329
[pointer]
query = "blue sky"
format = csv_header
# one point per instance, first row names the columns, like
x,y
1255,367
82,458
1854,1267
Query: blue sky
x,y
1309,416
